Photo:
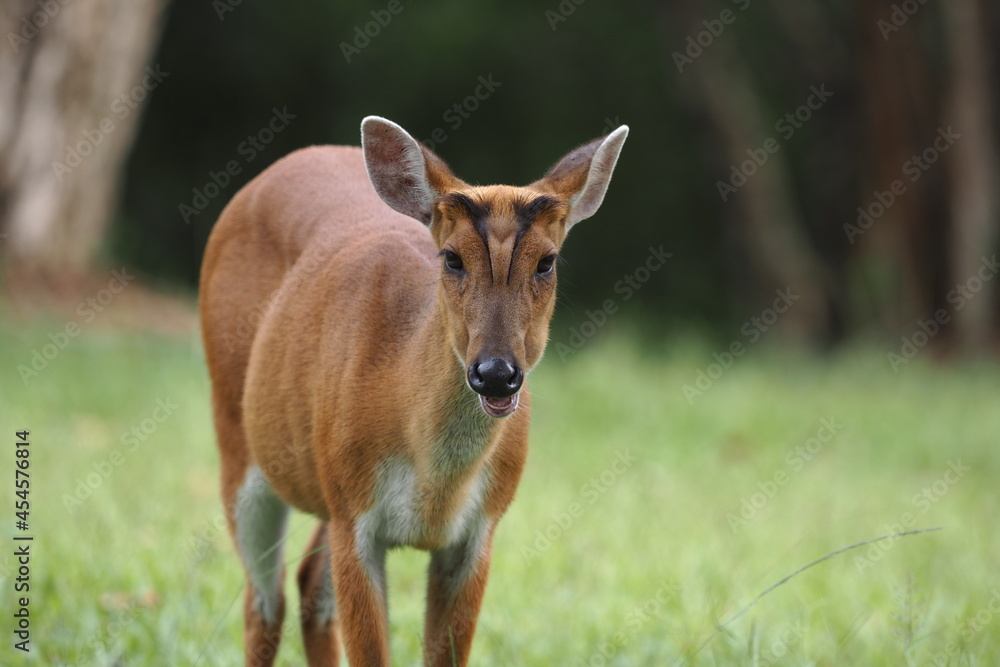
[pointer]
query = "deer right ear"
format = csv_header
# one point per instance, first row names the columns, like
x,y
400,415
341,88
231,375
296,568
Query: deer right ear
x,y
583,175
407,176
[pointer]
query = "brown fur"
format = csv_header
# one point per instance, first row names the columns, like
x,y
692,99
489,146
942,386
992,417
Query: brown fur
x,y
353,363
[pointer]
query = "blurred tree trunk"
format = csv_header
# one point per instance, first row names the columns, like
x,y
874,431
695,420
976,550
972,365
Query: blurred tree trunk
x,y
974,169
772,232
73,75
901,263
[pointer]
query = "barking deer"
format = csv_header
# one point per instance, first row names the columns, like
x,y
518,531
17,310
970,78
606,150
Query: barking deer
x,y
369,321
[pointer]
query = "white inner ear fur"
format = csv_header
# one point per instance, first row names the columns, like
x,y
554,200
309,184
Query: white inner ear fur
x,y
397,168
585,203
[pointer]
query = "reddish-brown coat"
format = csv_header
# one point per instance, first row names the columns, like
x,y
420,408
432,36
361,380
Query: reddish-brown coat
x,y
353,364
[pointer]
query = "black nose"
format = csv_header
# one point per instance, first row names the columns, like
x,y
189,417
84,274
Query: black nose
x,y
495,378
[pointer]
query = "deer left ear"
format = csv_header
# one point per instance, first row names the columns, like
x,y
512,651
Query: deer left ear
x,y
406,175
582,177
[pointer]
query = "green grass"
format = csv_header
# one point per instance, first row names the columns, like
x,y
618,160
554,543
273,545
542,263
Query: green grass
x,y
141,572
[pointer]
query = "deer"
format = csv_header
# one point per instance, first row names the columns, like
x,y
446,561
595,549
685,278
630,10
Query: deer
x,y
382,387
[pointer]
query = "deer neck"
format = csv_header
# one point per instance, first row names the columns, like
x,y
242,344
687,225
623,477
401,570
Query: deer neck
x,y
455,433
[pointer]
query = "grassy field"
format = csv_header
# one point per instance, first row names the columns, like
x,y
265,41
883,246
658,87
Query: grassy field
x,y
644,522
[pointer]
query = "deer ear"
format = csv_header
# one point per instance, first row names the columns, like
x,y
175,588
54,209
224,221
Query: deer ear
x,y
406,175
582,177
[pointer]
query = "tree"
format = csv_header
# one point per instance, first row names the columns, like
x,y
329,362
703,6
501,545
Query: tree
x,y
73,77
974,172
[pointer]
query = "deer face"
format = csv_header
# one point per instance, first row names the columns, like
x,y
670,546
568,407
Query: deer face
x,y
498,283
498,248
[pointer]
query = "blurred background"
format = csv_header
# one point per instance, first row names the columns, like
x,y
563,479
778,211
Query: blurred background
x,y
114,118
784,316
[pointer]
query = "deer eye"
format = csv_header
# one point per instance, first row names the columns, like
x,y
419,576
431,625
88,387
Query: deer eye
x,y
453,261
545,265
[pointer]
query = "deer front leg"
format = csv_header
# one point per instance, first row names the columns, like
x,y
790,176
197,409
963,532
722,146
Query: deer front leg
x,y
455,587
358,567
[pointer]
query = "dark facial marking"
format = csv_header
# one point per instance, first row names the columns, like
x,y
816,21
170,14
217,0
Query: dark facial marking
x,y
478,212
526,212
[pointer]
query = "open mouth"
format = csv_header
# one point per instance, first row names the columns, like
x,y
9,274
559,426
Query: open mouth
x,y
499,407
